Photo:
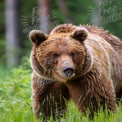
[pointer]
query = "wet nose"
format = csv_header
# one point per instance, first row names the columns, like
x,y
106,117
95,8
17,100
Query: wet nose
x,y
68,71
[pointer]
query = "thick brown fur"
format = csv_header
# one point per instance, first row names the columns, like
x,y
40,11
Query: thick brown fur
x,y
93,53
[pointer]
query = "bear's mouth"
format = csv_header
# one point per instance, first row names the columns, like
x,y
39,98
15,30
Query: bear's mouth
x,y
59,76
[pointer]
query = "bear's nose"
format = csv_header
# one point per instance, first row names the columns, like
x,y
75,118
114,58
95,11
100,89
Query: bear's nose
x,y
68,71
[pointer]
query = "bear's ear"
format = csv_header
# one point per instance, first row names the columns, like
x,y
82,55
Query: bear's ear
x,y
37,37
80,34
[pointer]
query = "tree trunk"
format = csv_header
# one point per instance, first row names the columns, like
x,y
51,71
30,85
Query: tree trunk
x,y
96,17
12,32
44,8
64,8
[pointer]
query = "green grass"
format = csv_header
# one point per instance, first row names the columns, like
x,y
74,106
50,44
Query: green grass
x,y
16,102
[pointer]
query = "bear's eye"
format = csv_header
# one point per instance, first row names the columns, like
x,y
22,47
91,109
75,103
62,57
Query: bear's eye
x,y
72,54
56,55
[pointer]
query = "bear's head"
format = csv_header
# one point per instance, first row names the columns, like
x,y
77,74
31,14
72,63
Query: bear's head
x,y
61,55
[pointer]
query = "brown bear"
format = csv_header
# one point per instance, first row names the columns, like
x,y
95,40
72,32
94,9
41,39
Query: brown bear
x,y
82,63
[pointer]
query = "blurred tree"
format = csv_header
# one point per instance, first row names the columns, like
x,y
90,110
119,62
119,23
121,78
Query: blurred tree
x,y
65,9
44,13
13,35
12,32
96,17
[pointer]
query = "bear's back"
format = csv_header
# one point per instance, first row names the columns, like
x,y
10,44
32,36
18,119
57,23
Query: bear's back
x,y
111,39
115,57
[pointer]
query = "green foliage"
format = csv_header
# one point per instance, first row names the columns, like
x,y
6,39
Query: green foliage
x,y
16,102
15,92
2,52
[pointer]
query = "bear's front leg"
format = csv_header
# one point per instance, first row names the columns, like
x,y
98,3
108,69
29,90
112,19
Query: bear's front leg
x,y
90,94
49,98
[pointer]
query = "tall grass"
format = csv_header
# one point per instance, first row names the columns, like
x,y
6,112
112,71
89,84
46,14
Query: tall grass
x,y
16,102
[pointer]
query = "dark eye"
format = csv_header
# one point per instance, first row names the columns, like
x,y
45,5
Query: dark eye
x,y
56,55
72,54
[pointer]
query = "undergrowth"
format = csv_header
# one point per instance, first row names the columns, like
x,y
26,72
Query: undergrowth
x,y
16,102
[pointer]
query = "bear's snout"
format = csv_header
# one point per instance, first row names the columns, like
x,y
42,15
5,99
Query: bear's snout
x,y
69,71
68,68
